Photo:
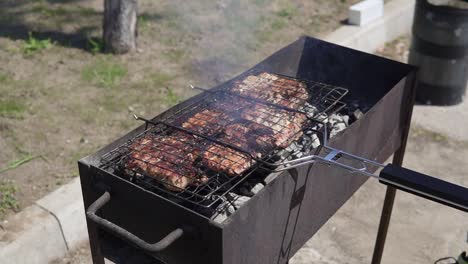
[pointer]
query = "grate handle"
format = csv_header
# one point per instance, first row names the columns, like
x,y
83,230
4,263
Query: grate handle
x,y
126,235
426,186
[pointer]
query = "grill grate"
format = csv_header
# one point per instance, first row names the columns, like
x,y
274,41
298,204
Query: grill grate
x,y
204,150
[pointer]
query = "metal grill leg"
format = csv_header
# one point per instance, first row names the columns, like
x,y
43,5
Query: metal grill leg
x,y
410,87
383,225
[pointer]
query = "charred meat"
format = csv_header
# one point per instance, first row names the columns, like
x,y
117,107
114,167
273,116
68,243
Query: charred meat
x,y
166,158
254,138
286,125
207,122
274,89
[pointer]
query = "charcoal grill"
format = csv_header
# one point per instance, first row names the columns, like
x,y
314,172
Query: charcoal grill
x,y
131,213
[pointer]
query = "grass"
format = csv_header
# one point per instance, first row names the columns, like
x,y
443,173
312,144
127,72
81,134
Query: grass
x,y
3,77
10,108
104,73
33,45
8,200
160,79
18,162
50,11
171,98
144,23
95,45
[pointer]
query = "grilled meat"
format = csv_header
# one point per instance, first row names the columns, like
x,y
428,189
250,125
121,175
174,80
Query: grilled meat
x,y
274,89
254,138
207,122
286,125
227,160
166,158
232,105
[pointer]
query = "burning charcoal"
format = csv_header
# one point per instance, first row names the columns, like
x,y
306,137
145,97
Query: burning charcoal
x,y
337,128
357,114
220,217
240,200
257,188
298,154
315,141
346,119
322,117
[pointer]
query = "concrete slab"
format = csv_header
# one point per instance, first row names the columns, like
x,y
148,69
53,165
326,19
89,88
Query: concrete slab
x,y
396,21
365,11
32,236
66,204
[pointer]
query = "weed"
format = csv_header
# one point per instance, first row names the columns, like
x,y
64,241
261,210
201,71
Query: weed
x,y
4,77
161,79
144,22
33,44
10,108
18,162
104,73
278,24
175,54
86,12
7,197
171,98
95,45
286,12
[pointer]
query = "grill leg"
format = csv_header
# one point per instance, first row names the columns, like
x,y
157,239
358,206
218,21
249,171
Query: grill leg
x,y
383,225
410,87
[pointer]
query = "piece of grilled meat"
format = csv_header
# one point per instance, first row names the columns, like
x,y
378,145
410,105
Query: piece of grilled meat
x,y
274,89
253,139
286,125
167,158
207,122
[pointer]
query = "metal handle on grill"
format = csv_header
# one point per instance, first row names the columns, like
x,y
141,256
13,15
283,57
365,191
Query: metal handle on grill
x,y
404,179
428,187
124,234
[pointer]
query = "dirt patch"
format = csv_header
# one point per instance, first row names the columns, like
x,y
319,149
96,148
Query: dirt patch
x,y
80,255
60,101
396,50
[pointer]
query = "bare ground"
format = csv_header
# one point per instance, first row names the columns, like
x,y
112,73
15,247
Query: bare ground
x,y
63,102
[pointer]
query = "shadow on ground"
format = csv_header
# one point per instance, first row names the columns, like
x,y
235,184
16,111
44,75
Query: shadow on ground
x,y
70,25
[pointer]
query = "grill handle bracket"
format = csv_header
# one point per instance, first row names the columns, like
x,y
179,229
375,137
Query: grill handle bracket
x,y
126,235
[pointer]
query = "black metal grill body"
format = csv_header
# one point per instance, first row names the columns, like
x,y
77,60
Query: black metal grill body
x,y
293,205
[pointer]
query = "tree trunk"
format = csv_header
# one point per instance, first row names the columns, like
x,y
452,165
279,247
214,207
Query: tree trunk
x,y
120,20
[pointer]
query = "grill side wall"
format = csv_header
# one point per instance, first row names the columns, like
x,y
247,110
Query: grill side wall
x,y
148,216
278,221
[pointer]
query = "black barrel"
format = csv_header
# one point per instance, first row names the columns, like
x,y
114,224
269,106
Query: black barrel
x,y
440,48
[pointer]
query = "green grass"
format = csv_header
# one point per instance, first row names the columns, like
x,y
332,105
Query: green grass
x,y
4,77
104,73
18,162
33,45
171,98
288,10
10,108
144,23
160,78
50,11
7,197
95,45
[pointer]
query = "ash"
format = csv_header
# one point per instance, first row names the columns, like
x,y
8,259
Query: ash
x,y
306,144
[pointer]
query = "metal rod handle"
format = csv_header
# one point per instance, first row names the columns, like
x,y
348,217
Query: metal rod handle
x,y
426,186
124,234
